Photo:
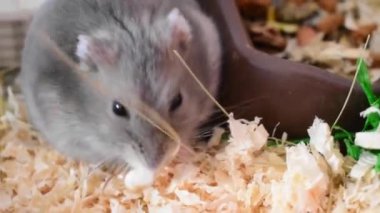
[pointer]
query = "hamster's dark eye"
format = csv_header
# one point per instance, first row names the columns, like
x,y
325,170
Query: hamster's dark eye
x,y
176,102
119,109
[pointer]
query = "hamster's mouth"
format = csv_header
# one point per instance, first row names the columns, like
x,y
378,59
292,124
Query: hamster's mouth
x,y
141,177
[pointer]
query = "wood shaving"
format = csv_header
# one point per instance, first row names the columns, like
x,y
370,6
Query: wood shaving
x,y
241,176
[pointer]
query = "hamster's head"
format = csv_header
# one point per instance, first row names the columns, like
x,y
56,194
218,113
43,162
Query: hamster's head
x,y
135,63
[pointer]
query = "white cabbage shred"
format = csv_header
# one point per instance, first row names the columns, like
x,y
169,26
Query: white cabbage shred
x,y
322,140
365,163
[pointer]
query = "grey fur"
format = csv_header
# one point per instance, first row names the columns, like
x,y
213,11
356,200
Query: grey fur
x,y
77,119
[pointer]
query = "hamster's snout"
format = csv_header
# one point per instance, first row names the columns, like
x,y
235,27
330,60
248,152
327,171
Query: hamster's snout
x,y
147,161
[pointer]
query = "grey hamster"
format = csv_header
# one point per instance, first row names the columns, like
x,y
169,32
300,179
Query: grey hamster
x,y
126,46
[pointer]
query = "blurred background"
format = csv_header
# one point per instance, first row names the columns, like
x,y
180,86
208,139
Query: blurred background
x,y
17,5
14,18
326,33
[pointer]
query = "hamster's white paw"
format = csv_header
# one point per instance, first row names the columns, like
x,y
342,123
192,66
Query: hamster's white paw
x,y
138,179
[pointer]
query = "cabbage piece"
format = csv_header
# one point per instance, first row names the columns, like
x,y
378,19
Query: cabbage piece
x,y
323,142
365,163
368,140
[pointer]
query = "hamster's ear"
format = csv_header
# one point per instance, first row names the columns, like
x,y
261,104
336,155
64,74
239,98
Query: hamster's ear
x,y
180,29
96,51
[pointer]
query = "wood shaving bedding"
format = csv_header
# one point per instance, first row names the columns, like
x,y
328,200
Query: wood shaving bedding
x,y
243,175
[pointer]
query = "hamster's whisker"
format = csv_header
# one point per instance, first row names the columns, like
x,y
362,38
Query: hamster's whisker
x,y
206,132
216,117
215,125
106,182
112,168
182,60
125,169
245,104
117,167
108,165
210,129
203,136
122,168
98,166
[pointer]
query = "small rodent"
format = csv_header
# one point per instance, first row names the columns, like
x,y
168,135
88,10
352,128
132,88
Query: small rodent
x,y
126,47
